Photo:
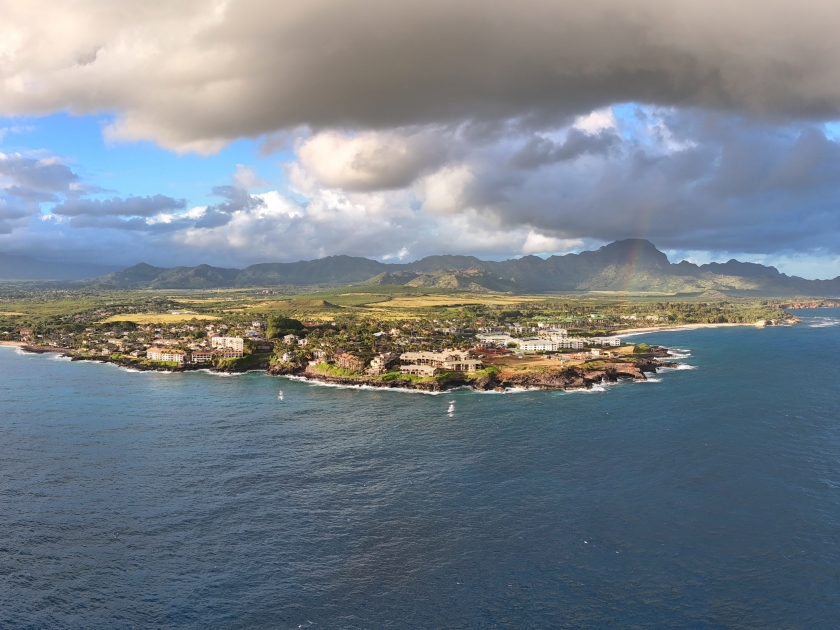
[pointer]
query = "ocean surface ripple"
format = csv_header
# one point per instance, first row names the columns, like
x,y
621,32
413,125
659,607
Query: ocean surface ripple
x,y
710,499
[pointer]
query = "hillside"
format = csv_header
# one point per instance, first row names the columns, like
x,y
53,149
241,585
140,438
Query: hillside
x,y
633,265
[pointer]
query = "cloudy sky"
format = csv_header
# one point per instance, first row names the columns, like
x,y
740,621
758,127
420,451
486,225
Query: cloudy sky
x,y
244,131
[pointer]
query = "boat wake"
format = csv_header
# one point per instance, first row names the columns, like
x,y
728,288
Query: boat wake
x,y
826,322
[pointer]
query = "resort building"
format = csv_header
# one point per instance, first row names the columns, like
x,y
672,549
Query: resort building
x,y
231,353
539,345
232,343
497,339
201,356
571,342
381,362
419,370
166,354
604,341
349,361
450,360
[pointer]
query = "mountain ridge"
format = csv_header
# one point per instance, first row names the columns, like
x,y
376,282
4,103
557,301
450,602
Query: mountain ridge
x,y
632,265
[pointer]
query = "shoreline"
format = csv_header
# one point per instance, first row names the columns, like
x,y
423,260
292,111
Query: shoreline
x,y
650,329
573,378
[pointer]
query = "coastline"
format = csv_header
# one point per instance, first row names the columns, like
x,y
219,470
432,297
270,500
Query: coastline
x,y
580,377
570,378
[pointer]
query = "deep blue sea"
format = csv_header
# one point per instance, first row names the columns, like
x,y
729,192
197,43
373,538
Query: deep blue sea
x,y
706,498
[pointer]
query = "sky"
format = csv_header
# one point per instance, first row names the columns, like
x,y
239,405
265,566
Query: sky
x,y
243,131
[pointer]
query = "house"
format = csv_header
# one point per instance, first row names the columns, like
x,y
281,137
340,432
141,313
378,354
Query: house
x,y
25,334
290,339
303,342
228,343
381,362
167,355
349,361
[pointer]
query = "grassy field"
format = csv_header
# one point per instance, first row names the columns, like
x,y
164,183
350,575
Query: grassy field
x,y
158,318
36,307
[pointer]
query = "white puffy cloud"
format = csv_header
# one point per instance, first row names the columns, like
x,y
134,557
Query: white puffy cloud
x,y
370,160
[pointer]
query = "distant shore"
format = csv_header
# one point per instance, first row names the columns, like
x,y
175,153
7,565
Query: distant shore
x,y
762,324
637,331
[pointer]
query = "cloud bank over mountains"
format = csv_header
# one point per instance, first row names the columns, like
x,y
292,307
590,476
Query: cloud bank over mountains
x,y
478,127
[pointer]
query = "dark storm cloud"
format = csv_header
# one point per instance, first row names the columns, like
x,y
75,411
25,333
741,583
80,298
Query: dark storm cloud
x,y
724,184
539,151
211,72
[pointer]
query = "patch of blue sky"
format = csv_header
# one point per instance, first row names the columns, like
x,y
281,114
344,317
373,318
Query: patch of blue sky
x,y
138,168
627,116
832,130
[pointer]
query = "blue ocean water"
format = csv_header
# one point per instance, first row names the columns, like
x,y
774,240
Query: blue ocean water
x,y
708,498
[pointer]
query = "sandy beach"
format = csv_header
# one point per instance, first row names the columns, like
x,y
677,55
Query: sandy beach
x,y
639,331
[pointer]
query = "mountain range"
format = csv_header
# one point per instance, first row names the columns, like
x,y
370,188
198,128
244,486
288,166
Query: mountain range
x,y
633,265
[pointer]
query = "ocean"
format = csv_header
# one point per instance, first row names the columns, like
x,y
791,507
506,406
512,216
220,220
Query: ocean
x,y
708,497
